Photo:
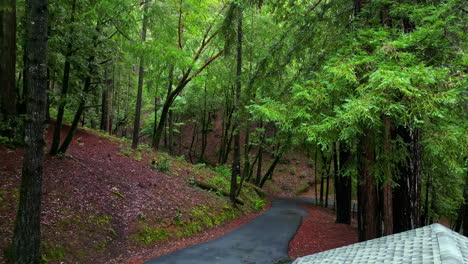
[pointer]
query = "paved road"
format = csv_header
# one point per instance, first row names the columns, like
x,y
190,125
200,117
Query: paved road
x,y
264,240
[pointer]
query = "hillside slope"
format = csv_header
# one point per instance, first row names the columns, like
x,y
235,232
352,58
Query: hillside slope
x,y
104,201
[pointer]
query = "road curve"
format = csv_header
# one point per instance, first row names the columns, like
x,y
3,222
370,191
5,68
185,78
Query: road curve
x,y
263,240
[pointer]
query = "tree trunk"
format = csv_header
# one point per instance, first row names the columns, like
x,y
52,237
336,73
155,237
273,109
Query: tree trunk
x,y
170,127
141,70
315,174
342,186
205,122
406,200
65,83
270,170
322,178
105,104
76,119
368,221
27,232
192,142
8,113
465,212
328,187
235,169
225,140
387,188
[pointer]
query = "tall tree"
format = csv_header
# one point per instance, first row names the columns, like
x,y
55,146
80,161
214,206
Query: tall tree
x,y
235,169
27,233
141,72
65,84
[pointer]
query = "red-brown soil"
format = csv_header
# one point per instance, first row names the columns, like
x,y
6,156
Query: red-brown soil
x,y
95,197
319,232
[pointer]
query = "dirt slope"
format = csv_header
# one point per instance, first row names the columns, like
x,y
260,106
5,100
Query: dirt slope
x,y
103,201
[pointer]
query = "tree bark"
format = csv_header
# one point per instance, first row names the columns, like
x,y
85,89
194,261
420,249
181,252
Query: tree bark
x,y
342,186
81,107
141,70
407,196
387,188
235,169
27,232
8,113
105,103
368,220
270,170
315,175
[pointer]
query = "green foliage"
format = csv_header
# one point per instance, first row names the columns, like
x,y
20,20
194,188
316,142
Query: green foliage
x,y
52,252
221,179
258,204
162,164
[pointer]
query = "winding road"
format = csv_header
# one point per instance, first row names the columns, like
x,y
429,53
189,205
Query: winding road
x,y
263,240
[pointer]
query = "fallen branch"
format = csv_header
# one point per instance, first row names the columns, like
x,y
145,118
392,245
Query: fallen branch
x,y
209,187
257,189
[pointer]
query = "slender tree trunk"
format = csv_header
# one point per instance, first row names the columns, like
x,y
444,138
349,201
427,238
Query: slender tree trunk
x,y
322,178
406,200
235,170
192,142
247,147
205,121
170,127
81,107
227,120
105,104
465,209
270,170
229,136
315,174
425,216
387,188
342,186
8,113
141,70
27,232
65,83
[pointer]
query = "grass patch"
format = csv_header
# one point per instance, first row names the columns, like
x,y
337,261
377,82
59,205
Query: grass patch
x,y
52,252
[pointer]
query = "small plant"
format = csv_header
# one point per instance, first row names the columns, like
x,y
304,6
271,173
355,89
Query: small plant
x,y
52,252
137,156
191,180
293,170
161,165
181,158
125,151
258,204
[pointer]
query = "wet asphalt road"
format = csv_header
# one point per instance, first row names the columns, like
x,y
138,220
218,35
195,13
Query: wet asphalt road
x,y
263,240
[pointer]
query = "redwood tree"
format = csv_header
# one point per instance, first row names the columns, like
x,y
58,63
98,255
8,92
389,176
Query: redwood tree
x,y
27,233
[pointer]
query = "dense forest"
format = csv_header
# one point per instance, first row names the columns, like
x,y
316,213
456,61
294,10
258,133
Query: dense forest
x,y
372,92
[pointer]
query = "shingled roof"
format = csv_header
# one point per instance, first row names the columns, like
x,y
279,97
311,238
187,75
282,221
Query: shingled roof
x,y
430,244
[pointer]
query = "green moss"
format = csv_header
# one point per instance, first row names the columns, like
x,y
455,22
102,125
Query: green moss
x,y
149,235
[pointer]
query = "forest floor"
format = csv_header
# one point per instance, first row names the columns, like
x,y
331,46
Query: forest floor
x,y
105,203
319,232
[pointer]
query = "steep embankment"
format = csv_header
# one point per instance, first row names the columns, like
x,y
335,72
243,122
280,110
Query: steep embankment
x,y
103,201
